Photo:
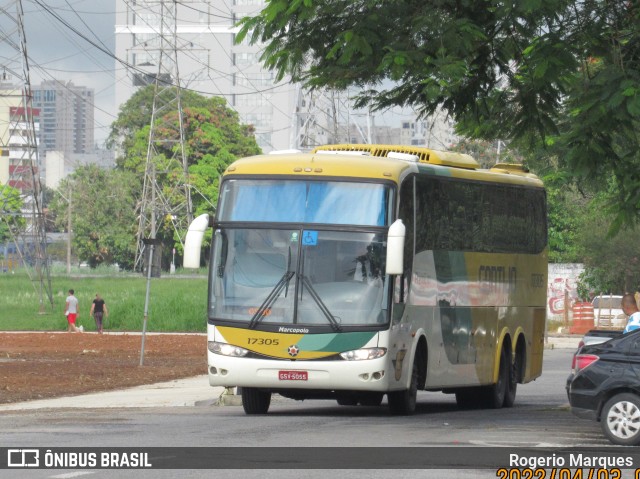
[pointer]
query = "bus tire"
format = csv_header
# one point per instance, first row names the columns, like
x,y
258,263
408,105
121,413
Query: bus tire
x,y
494,395
404,402
255,401
512,383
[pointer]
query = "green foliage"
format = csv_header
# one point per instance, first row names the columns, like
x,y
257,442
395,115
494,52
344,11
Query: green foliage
x,y
565,214
135,114
209,125
175,304
103,217
559,75
214,138
10,208
611,258
446,53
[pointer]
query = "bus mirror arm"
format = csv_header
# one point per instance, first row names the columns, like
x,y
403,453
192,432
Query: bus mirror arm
x,y
395,248
193,241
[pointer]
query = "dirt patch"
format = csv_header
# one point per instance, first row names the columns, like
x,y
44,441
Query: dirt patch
x,y
47,365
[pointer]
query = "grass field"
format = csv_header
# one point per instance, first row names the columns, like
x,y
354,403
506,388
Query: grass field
x,y
175,303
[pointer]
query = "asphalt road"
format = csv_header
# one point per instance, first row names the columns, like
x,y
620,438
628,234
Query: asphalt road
x,y
540,418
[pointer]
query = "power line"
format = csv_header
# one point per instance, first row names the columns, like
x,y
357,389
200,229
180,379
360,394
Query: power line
x,y
24,167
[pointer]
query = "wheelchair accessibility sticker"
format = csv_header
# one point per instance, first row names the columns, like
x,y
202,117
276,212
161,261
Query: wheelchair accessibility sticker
x,y
310,238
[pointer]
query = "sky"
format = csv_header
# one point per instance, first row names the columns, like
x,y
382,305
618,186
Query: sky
x,y
55,52
67,40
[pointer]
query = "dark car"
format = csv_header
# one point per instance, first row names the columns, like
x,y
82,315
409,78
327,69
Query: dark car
x,y
605,386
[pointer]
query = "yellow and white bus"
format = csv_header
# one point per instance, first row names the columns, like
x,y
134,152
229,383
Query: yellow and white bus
x,y
358,271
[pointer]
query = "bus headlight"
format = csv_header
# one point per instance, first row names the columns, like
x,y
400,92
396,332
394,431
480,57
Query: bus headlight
x,y
362,354
227,349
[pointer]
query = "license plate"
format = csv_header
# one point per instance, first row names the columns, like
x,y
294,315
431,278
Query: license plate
x,y
293,375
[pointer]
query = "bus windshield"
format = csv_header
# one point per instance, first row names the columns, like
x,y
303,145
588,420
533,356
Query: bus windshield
x,y
298,276
295,201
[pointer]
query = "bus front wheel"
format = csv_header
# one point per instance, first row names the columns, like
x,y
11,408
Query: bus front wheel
x,y
255,401
404,402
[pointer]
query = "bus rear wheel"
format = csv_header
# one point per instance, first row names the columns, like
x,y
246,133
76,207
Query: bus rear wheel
x,y
512,383
493,396
255,401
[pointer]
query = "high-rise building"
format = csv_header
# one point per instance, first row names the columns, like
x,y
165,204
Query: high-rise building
x,y
10,97
21,149
66,118
16,141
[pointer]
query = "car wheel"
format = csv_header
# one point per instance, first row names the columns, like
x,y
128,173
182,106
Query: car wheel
x,y
255,401
620,419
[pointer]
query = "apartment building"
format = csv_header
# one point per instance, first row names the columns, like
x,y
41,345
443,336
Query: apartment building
x,y
16,141
67,117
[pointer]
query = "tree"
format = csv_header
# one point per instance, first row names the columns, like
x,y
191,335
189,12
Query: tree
x,y
202,116
103,219
612,261
11,212
566,212
214,138
135,114
559,74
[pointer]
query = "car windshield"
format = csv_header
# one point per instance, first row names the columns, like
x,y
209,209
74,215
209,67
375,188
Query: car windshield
x,y
291,276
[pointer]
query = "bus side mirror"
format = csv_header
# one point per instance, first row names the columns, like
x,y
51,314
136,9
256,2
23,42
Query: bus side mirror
x,y
395,248
193,241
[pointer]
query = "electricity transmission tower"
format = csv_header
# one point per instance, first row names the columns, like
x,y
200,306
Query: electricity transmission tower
x,y
166,195
19,139
324,117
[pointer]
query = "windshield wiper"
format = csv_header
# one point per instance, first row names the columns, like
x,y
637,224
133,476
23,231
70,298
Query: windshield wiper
x,y
271,298
323,307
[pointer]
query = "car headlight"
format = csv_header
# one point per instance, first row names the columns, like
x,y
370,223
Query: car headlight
x,y
362,354
227,349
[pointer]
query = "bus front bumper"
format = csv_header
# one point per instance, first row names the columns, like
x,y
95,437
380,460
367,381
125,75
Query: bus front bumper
x,y
365,375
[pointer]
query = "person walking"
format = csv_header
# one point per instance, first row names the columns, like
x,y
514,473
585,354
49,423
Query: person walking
x,y
98,311
71,312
